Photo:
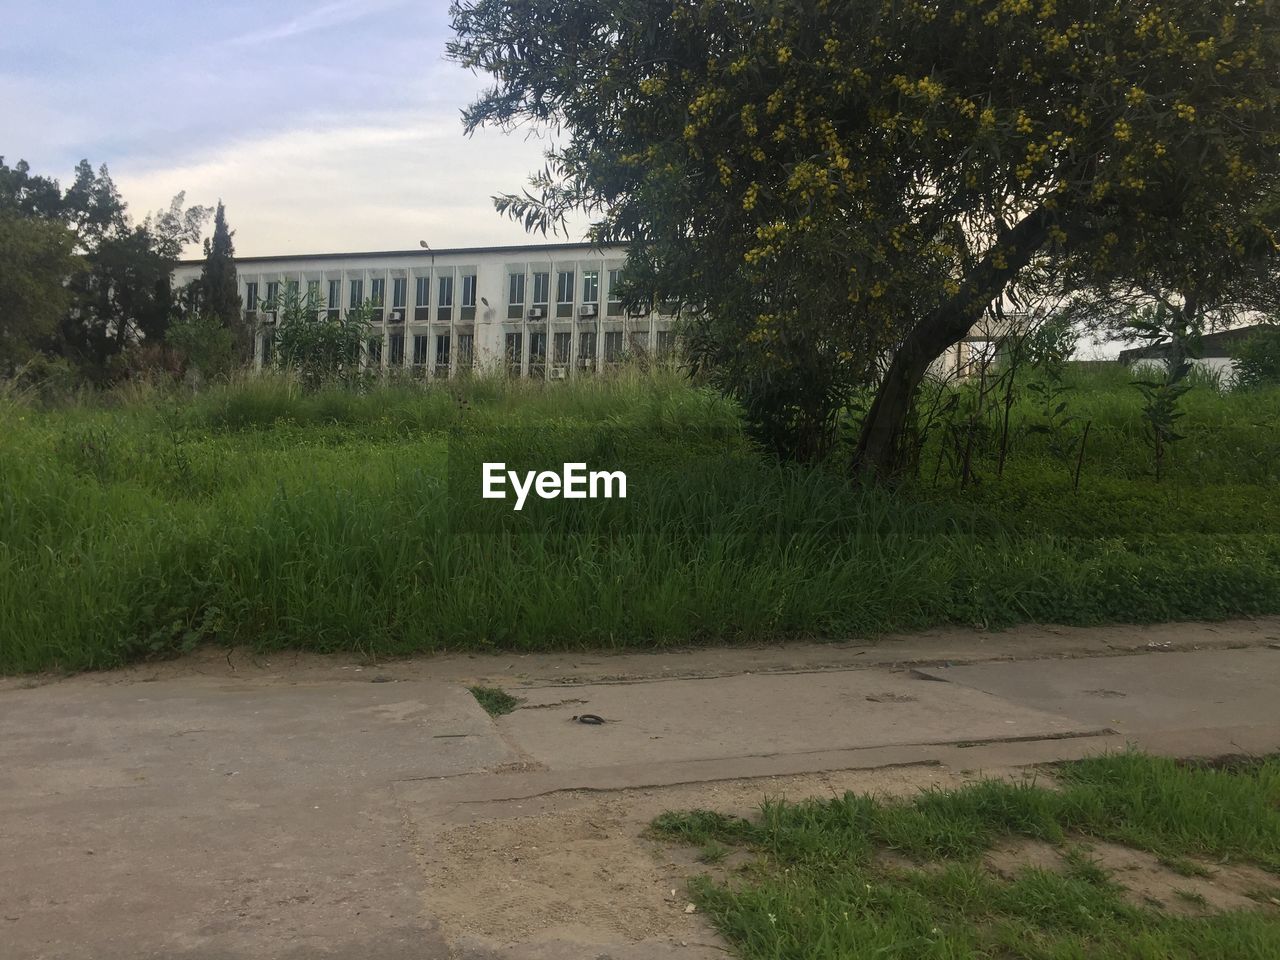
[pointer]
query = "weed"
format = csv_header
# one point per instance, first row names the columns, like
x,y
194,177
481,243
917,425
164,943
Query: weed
x,y
817,890
496,701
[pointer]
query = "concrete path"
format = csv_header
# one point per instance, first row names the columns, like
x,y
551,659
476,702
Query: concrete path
x,y
232,807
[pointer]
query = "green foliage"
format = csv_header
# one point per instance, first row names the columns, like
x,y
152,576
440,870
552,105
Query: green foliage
x,y
117,290
495,701
263,513
205,343
854,180
1162,396
816,887
1258,359
217,293
36,258
318,347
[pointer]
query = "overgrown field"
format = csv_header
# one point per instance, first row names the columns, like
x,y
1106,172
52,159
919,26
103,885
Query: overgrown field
x,y
141,524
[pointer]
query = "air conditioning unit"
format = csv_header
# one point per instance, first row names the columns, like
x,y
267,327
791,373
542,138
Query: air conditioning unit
x,y
587,310
269,317
558,373
536,313
640,311
397,316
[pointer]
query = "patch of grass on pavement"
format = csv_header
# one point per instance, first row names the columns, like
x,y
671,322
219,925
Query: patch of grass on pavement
x,y
495,700
817,890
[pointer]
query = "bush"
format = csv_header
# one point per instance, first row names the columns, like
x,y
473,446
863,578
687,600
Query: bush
x,y
1258,359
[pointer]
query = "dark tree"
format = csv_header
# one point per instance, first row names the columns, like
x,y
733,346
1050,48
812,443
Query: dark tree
x,y
219,293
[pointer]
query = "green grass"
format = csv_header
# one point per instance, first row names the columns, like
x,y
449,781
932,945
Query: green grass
x,y
496,701
145,522
816,889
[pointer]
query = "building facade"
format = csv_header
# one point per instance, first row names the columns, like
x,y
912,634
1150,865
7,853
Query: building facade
x,y
547,311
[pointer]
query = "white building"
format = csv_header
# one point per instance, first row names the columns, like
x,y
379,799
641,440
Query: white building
x,y
543,311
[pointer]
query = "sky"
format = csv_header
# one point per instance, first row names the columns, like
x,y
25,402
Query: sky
x,y
323,125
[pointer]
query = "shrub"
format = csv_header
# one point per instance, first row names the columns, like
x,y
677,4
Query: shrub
x,y
1258,359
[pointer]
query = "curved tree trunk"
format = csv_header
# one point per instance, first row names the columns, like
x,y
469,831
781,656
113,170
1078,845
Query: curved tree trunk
x,y
880,456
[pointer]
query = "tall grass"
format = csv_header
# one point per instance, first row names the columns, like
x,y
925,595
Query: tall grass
x,y
256,513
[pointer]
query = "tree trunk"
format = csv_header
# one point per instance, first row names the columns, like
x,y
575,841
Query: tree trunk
x,y
879,455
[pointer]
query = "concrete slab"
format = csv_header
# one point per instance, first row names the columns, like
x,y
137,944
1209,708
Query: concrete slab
x,y
1140,694
764,715
204,812
199,819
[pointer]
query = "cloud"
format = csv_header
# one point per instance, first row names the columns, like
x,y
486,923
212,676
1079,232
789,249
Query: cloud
x,y
353,183
319,18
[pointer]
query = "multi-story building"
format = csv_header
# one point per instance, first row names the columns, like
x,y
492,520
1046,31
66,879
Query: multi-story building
x,y
542,311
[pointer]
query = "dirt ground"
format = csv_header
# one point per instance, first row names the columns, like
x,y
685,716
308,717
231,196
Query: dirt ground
x,y
581,866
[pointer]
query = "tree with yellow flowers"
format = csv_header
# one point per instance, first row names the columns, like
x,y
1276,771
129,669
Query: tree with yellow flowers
x,y
843,187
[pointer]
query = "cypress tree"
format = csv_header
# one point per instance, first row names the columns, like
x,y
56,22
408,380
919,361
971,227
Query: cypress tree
x,y
220,297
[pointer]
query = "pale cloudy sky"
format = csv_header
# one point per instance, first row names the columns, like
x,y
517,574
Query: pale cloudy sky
x,y
323,126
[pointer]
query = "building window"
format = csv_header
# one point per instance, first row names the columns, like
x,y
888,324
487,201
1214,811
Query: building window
x,y
442,355
613,346
268,349
538,355
313,292
420,350
560,345
378,292
374,347
468,296
399,287
335,294
291,289
421,297
587,349
514,349
466,350
251,299
541,289
395,350
564,294
614,308
273,293
591,286
357,294
515,296
666,343
445,309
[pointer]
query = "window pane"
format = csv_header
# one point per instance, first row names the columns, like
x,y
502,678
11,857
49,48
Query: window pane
x,y
591,286
273,291
564,288
560,345
516,288
398,287
357,294
423,292
469,290
446,291
378,292
335,294
291,288
541,288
